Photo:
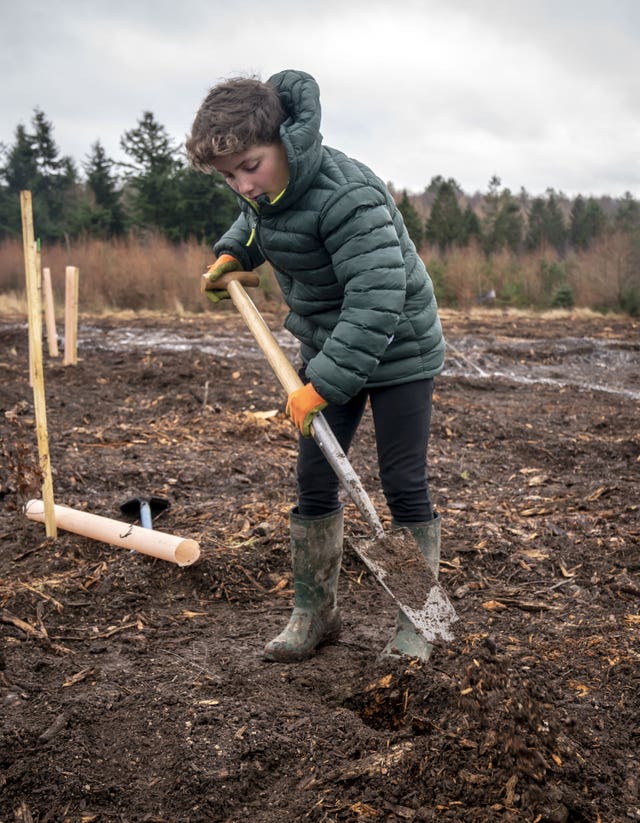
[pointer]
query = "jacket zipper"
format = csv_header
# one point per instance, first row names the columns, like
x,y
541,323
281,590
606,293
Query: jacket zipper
x,y
255,217
255,234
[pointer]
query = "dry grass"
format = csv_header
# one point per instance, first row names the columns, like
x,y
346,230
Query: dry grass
x,y
13,303
605,272
121,274
152,274
600,278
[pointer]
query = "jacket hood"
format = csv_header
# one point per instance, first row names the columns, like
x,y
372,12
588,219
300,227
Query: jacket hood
x,y
300,133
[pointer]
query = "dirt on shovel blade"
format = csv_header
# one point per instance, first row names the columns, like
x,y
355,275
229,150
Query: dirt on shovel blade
x,y
397,563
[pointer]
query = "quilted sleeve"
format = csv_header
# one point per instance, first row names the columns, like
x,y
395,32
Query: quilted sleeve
x,y
357,230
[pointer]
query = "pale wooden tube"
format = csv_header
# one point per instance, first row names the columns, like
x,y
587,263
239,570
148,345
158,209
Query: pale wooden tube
x,y
164,546
72,275
49,312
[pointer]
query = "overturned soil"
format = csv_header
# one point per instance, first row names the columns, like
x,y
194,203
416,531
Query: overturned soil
x,y
133,689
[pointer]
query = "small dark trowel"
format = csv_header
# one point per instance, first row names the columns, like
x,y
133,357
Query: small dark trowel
x,y
145,508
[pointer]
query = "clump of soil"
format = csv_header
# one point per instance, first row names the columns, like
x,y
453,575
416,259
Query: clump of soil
x,y
134,690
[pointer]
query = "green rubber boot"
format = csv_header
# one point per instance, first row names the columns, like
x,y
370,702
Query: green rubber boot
x,y
316,552
407,640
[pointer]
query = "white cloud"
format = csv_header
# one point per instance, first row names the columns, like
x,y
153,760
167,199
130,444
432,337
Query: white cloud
x,y
543,94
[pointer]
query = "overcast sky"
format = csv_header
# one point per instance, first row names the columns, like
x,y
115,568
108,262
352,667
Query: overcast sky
x,y
542,93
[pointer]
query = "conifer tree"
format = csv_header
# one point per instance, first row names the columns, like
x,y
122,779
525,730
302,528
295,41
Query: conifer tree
x,y
587,222
411,219
471,227
150,174
34,163
21,167
444,225
105,213
627,216
546,224
555,227
502,224
205,206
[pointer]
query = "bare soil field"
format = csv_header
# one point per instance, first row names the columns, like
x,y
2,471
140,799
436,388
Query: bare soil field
x,y
134,690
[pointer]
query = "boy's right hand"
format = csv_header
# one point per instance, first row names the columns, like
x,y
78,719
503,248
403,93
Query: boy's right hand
x,y
302,406
224,264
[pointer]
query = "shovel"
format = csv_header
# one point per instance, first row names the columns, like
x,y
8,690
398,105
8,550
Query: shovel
x,y
395,561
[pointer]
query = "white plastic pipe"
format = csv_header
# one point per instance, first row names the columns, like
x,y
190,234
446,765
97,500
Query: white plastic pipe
x,y
178,550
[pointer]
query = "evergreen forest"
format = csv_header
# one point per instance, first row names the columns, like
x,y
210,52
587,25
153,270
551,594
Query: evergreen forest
x,y
483,245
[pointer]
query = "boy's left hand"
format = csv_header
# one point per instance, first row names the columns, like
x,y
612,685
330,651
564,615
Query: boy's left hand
x,y
225,263
218,291
302,406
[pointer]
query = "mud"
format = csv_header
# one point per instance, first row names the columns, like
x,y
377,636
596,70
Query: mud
x,y
134,690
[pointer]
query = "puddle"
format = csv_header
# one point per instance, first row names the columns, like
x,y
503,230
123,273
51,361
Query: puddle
x,y
611,366
595,364
219,345
603,365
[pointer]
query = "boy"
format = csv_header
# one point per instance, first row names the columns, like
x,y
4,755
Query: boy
x,y
362,305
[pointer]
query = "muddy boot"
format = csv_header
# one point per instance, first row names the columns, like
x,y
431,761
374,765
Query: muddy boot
x,y
316,552
407,640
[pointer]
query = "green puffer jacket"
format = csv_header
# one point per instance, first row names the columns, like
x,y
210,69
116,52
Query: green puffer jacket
x,y
361,301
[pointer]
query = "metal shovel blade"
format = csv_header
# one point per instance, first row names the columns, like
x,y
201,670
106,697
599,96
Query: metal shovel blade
x,y
405,575
395,561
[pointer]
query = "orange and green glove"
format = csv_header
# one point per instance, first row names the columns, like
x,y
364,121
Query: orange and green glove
x,y
225,263
302,406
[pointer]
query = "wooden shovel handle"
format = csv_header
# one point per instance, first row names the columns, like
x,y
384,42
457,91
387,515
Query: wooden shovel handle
x,y
284,371
290,381
249,278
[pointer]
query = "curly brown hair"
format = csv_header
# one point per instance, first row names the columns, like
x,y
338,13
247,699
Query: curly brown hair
x,y
236,114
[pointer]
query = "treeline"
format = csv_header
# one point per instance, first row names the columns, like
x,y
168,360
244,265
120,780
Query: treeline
x,y
153,190
527,251
521,250
499,220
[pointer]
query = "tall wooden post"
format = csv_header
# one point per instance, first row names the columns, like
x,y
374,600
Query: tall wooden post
x,y
49,312
72,276
35,347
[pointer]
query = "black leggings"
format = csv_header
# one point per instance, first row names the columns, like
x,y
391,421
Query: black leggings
x,y
402,418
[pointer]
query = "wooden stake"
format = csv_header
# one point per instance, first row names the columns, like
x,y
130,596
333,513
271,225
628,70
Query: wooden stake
x,y
35,348
49,313
71,316
38,301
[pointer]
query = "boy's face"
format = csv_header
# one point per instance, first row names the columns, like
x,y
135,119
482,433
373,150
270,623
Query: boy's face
x,y
261,169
